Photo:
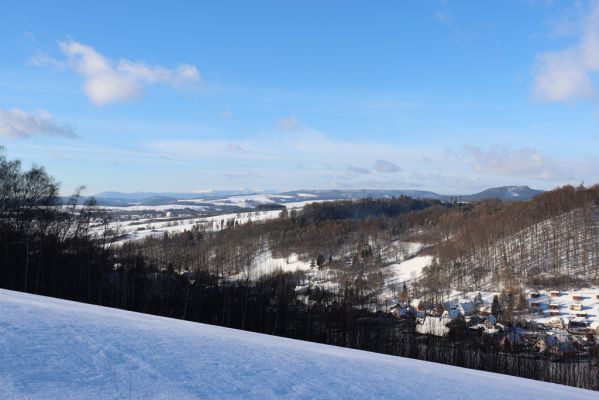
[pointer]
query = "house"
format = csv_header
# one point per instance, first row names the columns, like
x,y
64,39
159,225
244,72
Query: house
x,y
582,314
554,306
466,307
401,311
546,342
576,307
554,293
556,345
535,305
554,313
436,326
556,323
449,304
534,295
490,320
418,304
577,322
438,310
562,350
577,297
484,310
510,340
451,314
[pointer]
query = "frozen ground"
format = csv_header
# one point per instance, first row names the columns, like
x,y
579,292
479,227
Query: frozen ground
x,y
409,269
265,264
56,349
142,228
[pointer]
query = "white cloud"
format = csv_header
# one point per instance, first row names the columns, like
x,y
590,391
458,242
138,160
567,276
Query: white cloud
x,y
353,170
287,124
441,16
107,81
385,166
242,175
520,162
15,123
567,75
235,148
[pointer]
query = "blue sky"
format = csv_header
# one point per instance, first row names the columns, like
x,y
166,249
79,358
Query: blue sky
x,y
450,96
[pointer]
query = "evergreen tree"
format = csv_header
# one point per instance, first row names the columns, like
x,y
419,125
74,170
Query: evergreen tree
x,y
495,306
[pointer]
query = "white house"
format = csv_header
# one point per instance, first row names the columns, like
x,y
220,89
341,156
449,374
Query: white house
x,y
432,326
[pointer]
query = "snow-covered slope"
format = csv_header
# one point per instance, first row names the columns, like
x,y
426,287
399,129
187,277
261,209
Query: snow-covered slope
x,y
56,349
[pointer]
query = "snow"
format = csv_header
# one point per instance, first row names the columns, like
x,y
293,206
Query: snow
x,y
265,264
433,325
156,227
57,349
163,207
590,304
409,269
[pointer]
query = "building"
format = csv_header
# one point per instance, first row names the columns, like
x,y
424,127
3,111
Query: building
x,y
436,326
401,311
535,305
466,307
554,293
450,314
418,304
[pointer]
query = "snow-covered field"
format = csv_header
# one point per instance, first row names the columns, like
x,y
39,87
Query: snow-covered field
x,y
409,269
265,264
139,229
56,349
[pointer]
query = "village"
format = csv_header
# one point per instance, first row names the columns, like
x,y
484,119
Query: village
x,y
556,324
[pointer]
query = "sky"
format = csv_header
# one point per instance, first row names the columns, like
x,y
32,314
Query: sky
x,y
448,96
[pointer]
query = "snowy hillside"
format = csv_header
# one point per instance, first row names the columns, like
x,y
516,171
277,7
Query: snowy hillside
x,y
563,245
52,349
156,227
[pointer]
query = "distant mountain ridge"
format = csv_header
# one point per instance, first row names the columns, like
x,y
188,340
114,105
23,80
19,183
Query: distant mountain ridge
x,y
176,195
246,198
506,193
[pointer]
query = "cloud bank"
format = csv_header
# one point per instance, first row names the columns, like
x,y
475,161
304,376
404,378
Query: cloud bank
x,y
19,124
385,167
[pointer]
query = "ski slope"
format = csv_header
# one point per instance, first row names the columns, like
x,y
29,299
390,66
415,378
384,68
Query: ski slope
x,y
56,349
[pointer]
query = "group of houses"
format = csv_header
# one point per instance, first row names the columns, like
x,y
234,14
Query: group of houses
x,y
558,304
564,335
433,320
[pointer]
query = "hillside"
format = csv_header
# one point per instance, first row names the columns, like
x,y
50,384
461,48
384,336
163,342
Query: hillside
x,y
550,241
54,348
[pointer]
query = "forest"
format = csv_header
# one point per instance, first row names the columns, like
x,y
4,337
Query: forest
x,y
48,248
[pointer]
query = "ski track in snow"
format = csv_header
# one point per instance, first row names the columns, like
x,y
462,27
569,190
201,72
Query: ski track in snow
x,y
57,349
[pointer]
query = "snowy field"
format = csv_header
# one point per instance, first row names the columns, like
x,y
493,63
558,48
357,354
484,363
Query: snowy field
x,y
265,264
409,269
142,228
56,349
